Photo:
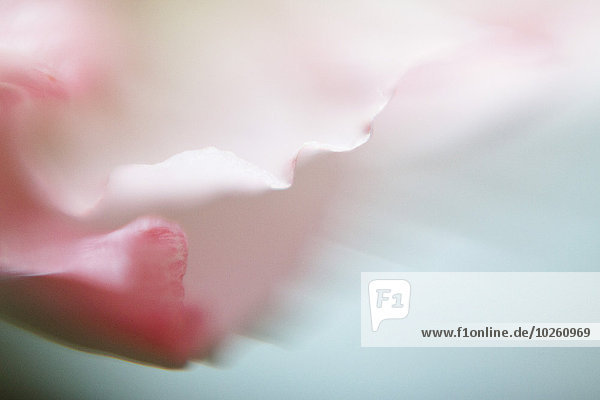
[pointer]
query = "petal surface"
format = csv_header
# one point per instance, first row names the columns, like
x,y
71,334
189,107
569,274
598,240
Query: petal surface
x,y
194,111
120,292
260,79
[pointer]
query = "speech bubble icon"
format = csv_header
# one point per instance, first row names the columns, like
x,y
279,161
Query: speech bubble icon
x,y
388,299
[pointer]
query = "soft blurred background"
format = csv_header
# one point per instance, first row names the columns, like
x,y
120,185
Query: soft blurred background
x,y
487,160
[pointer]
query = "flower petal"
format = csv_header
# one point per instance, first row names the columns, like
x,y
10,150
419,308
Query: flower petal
x,y
134,133
260,79
119,291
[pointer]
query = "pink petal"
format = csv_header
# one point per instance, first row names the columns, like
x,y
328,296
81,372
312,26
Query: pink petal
x,y
260,79
191,112
120,292
89,315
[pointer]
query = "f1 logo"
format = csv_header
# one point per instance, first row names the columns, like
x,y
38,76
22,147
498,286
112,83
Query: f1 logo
x,y
388,299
